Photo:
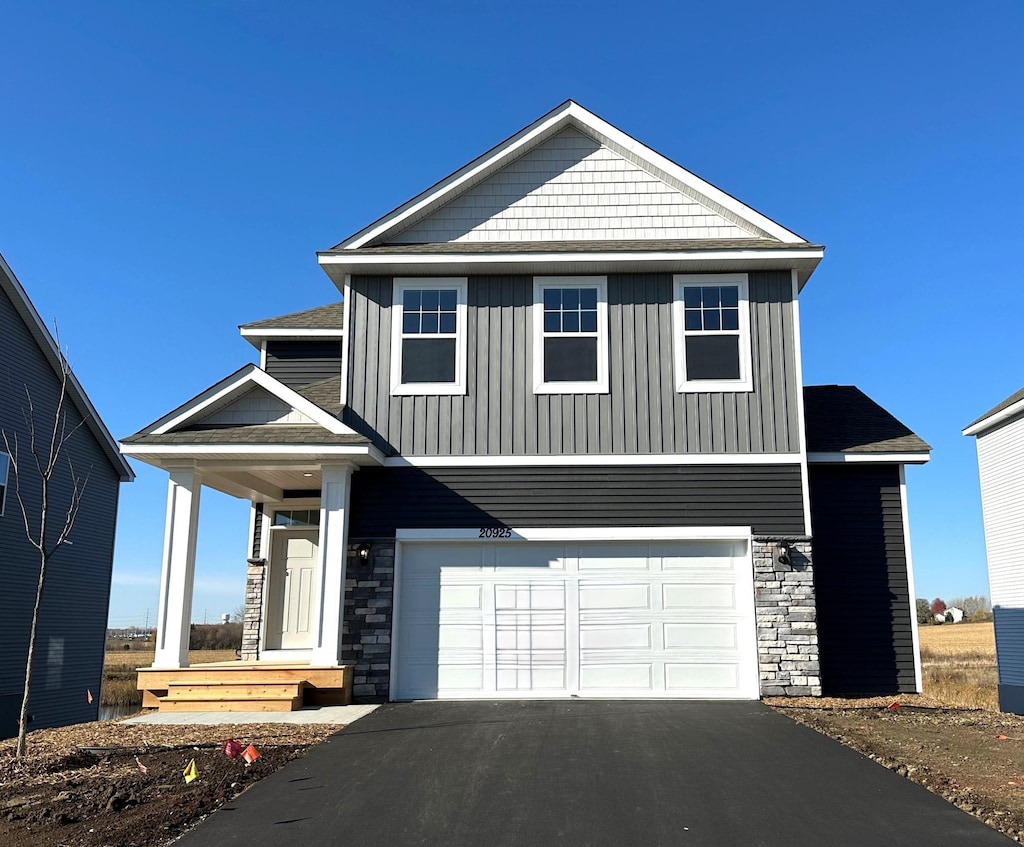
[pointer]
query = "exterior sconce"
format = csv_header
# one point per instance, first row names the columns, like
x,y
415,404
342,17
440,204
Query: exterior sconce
x,y
782,554
363,553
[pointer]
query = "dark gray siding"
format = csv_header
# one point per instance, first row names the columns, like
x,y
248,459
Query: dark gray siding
x,y
766,497
860,580
298,363
73,620
641,413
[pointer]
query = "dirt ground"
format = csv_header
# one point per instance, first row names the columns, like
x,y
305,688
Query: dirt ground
x,y
111,784
974,758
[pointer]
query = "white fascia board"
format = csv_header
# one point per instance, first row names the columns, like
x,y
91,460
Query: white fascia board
x,y
592,460
805,484
470,173
880,458
291,333
237,382
26,308
912,590
996,419
313,452
604,533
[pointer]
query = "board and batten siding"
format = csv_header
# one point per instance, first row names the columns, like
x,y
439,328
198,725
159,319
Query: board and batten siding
x,y
861,583
766,497
642,413
298,363
72,624
1001,469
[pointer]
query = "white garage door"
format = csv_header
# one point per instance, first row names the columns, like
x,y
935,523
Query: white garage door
x,y
552,619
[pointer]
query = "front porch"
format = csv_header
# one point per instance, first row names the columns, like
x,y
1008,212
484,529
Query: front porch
x,y
245,687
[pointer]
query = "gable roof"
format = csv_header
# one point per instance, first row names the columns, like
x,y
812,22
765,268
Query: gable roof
x,y
842,419
10,285
331,316
570,118
1010,407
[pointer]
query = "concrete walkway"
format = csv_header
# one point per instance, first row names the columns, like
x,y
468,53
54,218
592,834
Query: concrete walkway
x,y
341,715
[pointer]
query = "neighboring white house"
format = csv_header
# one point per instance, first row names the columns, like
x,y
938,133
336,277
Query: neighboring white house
x,y
1000,438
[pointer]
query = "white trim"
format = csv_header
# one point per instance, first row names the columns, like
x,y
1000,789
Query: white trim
x,y
396,621
234,384
591,460
403,284
284,332
566,115
311,450
800,416
346,311
680,282
263,355
882,458
597,533
918,677
597,386
999,417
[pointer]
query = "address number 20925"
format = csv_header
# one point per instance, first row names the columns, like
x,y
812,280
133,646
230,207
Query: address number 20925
x,y
495,532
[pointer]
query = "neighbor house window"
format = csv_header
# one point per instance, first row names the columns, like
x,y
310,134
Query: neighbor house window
x,y
712,335
5,464
428,331
570,335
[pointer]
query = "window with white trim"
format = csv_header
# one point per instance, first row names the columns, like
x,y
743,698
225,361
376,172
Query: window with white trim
x,y
570,335
712,332
428,336
5,464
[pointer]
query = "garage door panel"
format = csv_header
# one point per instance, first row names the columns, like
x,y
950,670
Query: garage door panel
x,y
460,637
614,596
622,677
700,676
468,597
615,637
683,596
690,636
626,557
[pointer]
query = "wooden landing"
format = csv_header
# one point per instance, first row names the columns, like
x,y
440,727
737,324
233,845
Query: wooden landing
x,y
244,687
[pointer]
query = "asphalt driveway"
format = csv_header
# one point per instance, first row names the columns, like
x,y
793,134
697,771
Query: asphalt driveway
x,y
583,772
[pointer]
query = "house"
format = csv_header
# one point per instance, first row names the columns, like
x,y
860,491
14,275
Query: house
x,y
553,440
953,615
999,435
68,665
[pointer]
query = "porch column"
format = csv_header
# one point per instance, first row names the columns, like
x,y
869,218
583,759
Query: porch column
x,y
334,498
177,574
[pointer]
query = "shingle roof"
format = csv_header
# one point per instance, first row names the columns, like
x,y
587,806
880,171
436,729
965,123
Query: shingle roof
x,y
330,316
253,434
1016,397
326,394
687,245
843,419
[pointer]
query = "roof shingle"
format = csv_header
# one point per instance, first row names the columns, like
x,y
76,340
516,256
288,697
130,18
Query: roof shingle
x,y
843,419
330,316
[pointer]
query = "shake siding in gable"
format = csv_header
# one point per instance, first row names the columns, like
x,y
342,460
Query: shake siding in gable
x,y
72,624
642,413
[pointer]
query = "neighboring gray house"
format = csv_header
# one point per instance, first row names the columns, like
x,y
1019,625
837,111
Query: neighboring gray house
x,y
553,442
72,625
1000,439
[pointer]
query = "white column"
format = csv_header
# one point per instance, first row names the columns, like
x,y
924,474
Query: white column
x,y
334,498
177,575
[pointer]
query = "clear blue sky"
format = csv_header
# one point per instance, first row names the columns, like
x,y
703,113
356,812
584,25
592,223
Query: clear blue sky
x,y
168,170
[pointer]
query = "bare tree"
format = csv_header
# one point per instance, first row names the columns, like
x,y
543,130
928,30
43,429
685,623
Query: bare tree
x,y
46,532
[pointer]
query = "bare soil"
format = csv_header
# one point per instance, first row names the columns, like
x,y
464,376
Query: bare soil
x,y
974,758
111,784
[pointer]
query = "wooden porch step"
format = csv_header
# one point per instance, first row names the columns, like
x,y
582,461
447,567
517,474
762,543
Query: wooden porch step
x,y
168,705
251,695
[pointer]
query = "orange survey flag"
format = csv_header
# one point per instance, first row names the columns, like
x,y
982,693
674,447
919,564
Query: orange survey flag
x,y
250,754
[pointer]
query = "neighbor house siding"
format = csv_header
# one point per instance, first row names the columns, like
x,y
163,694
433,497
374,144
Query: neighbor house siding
x,y
298,363
1001,469
641,413
860,579
72,622
767,497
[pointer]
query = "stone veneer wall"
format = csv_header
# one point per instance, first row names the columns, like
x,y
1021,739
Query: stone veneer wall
x,y
366,631
255,581
787,631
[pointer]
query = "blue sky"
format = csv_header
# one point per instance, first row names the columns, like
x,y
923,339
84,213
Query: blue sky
x,y
168,170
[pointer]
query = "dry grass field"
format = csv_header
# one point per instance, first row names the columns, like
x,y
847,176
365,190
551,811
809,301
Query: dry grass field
x,y
119,668
959,665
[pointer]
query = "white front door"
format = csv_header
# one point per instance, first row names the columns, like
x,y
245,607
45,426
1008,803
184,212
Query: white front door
x,y
290,592
598,619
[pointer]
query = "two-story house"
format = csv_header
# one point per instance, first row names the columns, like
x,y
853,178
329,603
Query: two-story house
x,y
553,441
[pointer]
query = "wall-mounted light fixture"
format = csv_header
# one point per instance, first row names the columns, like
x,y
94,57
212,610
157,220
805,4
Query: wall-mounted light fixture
x,y
363,553
782,553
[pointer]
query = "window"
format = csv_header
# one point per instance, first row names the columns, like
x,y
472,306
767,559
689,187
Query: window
x,y
712,337
428,331
570,335
5,464
297,517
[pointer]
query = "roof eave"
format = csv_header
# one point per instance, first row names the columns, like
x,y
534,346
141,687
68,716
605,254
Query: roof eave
x,y
895,457
992,420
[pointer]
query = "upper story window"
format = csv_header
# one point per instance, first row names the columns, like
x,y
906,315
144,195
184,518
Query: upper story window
x,y
712,333
570,335
428,336
5,464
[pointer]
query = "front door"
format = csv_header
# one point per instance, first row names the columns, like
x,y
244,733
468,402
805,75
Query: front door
x,y
290,601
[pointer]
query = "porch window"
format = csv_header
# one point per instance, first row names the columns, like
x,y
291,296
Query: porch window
x,y
297,517
5,464
428,329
